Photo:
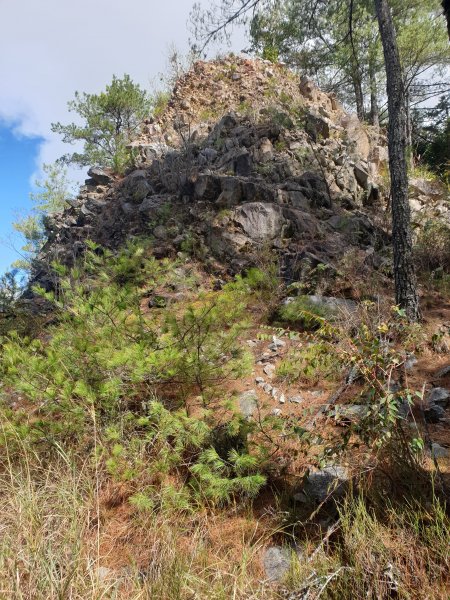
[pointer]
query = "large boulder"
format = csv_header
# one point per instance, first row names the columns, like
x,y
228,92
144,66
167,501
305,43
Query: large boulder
x,y
100,176
260,221
135,187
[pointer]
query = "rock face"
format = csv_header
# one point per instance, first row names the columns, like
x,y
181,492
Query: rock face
x,y
260,221
233,166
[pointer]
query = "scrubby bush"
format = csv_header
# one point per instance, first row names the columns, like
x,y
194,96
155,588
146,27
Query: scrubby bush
x,y
302,311
432,247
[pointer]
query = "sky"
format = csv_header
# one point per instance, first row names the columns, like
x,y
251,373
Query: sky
x,y
51,48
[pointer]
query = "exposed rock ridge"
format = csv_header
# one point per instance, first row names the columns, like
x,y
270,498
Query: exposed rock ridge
x,y
246,156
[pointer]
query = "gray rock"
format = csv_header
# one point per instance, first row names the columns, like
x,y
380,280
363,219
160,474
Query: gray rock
x,y
100,176
276,412
267,388
136,187
434,413
277,561
269,370
259,380
243,165
439,451
260,221
329,481
334,305
443,372
248,403
361,175
296,399
350,413
411,362
276,343
439,396
282,399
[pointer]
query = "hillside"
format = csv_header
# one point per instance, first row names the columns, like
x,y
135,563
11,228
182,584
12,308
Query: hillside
x,y
210,394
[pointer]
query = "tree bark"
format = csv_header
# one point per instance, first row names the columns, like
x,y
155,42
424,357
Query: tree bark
x,y
359,97
374,108
446,7
409,148
404,273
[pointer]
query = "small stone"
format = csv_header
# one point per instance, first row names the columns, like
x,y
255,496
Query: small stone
x,y
296,399
251,343
267,388
282,399
439,451
248,403
274,392
350,413
259,380
277,342
411,362
269,370
276,561
329,481
276,412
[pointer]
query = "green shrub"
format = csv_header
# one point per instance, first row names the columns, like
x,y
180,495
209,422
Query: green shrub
x,y
302,312
312,363
432,247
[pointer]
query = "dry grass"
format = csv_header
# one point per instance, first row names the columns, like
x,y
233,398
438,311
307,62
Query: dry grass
x,y
60,540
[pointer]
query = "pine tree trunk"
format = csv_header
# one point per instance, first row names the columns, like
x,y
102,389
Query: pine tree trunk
x,y
446,7
374,108
359,97
409,148
404,274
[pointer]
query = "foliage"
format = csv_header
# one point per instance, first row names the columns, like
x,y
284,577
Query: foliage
x,y
110,120
311,363
302,311
383,549
431,135
432,247
51,197
161,443
348,60
10,288
100,366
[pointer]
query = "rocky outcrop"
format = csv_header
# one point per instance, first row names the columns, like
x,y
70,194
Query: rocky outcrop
x,y
245,156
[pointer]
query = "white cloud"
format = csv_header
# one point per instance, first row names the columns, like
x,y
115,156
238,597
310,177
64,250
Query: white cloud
x,y
50,48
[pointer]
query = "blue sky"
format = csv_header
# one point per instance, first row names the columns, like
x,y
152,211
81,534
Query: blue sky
x,y
18,155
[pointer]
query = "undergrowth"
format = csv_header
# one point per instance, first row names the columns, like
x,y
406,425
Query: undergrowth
x,y
129,471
